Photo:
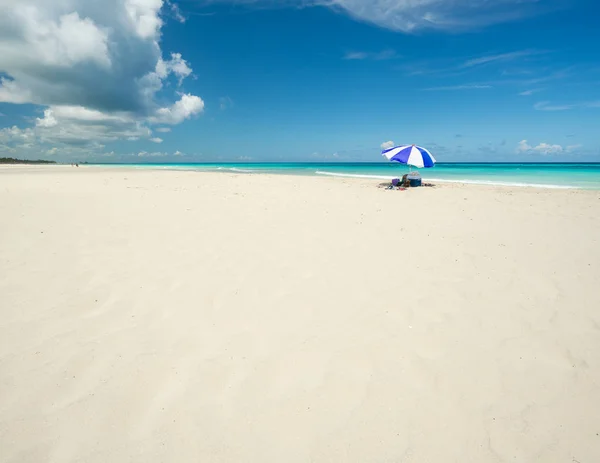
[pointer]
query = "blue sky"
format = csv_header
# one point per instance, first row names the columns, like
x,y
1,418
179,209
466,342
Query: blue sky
x,y
293,80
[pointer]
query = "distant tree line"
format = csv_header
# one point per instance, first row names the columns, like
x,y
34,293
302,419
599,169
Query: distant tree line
x,y
24,161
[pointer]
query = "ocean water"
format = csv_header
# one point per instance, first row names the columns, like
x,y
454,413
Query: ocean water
x,y
543,175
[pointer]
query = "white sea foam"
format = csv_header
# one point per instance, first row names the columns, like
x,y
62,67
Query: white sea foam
x,y
443,180
209,169
213,168
337,174
232,169
498,183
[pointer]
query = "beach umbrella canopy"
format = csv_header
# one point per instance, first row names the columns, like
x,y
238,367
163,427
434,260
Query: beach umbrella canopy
x,y
411,155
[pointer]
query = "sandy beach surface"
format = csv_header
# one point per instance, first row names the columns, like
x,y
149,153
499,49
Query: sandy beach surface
x,y
171,316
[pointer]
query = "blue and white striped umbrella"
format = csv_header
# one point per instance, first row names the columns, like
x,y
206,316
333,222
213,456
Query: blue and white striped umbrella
x,y
411,155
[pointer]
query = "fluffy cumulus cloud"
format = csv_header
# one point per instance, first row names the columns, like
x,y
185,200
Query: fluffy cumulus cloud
x,y
523,147
12,137
176,65
96,69
412,15
182,109
387,145
543,148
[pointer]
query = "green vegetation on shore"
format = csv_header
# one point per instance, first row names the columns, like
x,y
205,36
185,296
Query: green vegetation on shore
x,y
24,161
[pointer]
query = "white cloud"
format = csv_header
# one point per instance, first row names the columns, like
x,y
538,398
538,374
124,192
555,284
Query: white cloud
x,y
542,148
163,129
82,114
94,67
572,148
325,157
156,140
523,146
176,65
11,92
48,120
356,55
187,106
387,145
29,144
76,125
546,148
142,154
530,92
176,12
547,106
16,135
376,56
458,87
412,15
144,16
59,40
501,57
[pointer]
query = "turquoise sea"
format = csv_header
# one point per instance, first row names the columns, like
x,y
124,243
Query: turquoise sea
x,y
544,175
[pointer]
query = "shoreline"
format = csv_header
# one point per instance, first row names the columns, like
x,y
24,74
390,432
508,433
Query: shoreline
x,y
316,174
467,182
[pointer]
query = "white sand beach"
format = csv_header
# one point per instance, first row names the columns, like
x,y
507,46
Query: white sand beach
x,y
172,316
